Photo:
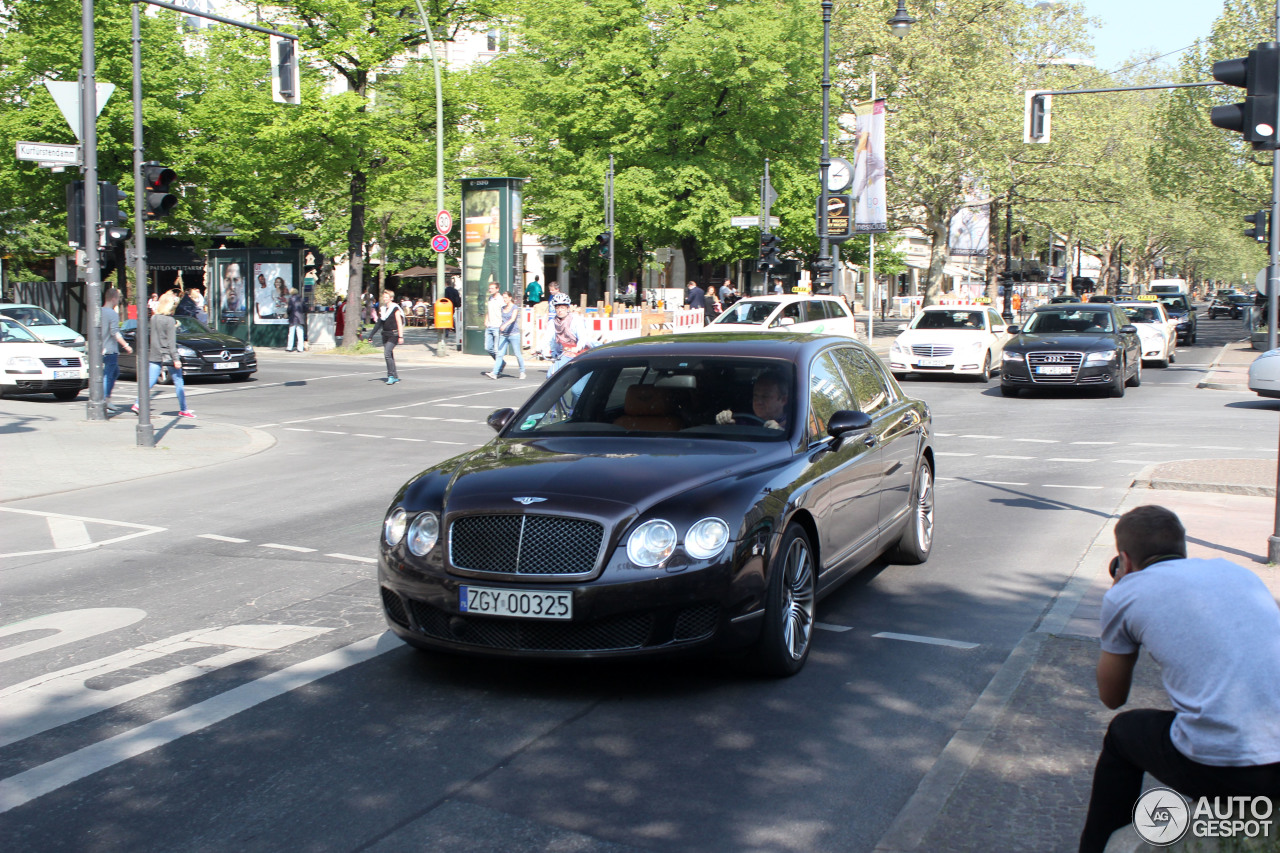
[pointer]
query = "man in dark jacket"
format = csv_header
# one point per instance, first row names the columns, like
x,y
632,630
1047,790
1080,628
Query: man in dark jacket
x,y
296,311
187,306
696,297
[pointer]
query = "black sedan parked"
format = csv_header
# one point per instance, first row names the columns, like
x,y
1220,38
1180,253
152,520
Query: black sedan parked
x,y
204,352
668,494
1075,346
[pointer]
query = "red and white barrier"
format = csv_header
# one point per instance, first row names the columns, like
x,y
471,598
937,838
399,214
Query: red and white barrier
x,y
615,327
687,320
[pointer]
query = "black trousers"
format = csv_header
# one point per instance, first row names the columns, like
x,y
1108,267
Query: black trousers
x,y
1139,741
389,353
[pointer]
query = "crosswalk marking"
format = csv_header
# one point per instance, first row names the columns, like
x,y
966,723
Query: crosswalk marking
x,y
279,547
216,538
68,528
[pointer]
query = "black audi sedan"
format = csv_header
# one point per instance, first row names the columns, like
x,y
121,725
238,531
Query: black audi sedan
x,y
1091,345
667,494
204,352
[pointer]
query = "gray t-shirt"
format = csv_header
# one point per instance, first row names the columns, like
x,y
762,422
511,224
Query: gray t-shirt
x,y
110,328
1214,629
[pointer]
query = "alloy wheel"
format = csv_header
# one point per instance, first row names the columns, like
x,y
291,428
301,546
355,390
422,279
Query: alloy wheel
x,y
924,509
798,600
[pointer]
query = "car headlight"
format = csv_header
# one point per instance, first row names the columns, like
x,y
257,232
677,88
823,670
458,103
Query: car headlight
x,y
706,538
1011,356
248,349
898,348
424,533
79,339
394,525
186,352
1103,357
22,364
651,543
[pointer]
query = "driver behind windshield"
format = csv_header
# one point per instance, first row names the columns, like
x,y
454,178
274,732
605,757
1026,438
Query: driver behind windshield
x,y
769,398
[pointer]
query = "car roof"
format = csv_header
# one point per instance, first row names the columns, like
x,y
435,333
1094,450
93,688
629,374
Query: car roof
x,y
789,297
974,307
1075,306
787,346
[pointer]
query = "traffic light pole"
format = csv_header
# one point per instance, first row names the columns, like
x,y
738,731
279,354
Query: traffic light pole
x,y
824,267
611,283
145,432
1273,301
96,409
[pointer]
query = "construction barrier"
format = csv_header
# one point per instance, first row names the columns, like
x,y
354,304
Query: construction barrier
x,y
615,327
687,320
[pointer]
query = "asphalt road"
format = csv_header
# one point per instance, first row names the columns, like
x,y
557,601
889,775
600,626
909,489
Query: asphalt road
x,y
223,682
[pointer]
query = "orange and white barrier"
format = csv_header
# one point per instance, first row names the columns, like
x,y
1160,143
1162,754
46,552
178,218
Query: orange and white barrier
x,y
687,320
615,327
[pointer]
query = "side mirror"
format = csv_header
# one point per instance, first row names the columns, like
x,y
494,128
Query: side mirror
x,y
1128,329
786,321
846,422
1013,330
499,419
62,320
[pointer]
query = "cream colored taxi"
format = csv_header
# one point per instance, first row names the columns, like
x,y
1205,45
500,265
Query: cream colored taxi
x,y
1157,331
964,340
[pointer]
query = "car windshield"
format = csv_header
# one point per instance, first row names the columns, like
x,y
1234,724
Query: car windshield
x,y
29,315
1241,298
1175,303
1143,314
752,313
1069,321
718,398
949,320
13,333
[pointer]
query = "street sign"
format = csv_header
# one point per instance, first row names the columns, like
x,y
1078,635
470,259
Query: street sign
x,y
444,224
839,218
440,243
47,153
67,96
751,221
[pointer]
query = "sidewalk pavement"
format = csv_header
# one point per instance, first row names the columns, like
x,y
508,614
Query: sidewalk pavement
x,y
1230,370
1016,776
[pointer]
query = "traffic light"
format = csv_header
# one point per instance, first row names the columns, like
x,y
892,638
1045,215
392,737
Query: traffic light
x,y
769,247
1257,119
1035,116
603,242
111,218
156,179
1261,222
284,70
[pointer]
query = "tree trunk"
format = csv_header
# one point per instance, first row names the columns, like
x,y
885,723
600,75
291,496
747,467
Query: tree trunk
x,y
355,256
939,232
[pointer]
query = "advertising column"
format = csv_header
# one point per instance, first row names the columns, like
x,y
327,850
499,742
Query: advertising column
x,y
491,235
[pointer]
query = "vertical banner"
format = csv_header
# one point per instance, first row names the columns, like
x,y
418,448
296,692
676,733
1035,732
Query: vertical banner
x,y
871,215
970,231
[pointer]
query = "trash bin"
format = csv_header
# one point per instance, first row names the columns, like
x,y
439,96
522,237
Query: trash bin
x,y
443,318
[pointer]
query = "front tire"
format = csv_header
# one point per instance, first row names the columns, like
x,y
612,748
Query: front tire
x,y
1117,385
789,606
1136,380
917,540
985,376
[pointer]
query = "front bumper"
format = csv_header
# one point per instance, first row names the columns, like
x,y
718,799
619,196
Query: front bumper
x,y
213,365
623,612
1087,375
959,364
30,384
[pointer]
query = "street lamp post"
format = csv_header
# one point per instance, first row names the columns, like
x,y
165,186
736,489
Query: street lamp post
x,y
899,25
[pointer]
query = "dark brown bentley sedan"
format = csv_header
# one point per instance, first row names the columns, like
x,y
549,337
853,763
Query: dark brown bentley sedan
x,y
671,493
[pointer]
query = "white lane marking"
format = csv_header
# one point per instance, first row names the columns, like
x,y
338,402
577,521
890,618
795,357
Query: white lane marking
x,y
823,626
352,557
1059,486
57,698
1149,444
448,442
1095,442
264,426
68,533
996,483
40,780
297,429
1215,447
461,421
941,453
216,538
300,420
1068,459
979,436
393,416
451,405
72,627
941,479
424,418
279,547
930,641
1038,440
366,435
994,456
141,530
480,407
1138,461
397,438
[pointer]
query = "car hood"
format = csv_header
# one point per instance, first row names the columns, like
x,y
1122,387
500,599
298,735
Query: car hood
x,y
592,471
39,350
1061,341
949,337
737,327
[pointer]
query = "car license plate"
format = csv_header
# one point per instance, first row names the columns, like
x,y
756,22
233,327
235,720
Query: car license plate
x,y
932,362
1054,369
66,374
520,603
226,365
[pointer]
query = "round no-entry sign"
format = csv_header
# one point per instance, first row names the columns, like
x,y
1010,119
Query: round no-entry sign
x,y
440,243
444,223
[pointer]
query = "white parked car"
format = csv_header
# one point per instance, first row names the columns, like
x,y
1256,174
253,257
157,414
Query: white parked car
x,y
30,366
1157,331
1264,374
796,312
954,339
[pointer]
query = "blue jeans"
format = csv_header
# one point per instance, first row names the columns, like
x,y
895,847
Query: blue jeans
x,y
153,374
491,341
110,372
507,342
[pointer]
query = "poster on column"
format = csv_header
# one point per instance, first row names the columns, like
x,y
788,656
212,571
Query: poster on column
x,y
970,231
271,286
871,216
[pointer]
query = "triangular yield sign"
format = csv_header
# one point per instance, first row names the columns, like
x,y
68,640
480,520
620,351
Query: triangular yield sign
x,y
67,96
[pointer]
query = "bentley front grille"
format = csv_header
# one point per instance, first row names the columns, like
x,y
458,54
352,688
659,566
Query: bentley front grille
x,y
543,545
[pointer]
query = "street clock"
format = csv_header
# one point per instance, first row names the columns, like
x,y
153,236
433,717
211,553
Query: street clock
x,y
839,175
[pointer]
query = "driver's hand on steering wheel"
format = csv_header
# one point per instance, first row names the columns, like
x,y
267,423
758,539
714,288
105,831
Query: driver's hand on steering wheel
x,y
725,417
772,424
